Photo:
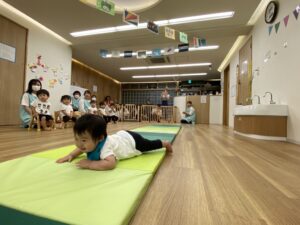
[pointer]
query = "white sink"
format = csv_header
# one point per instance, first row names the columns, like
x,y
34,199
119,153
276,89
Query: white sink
x,y
262,110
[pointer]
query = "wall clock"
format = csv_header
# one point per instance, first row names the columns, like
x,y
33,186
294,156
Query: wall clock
x,y
271,12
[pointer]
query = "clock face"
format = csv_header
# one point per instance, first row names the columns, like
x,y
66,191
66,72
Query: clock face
x,y
271,12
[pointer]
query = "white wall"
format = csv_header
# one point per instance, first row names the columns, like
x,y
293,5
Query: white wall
x,y
280,74
56,55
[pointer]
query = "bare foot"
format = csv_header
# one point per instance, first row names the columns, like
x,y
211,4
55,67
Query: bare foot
x,y
47,129
168,146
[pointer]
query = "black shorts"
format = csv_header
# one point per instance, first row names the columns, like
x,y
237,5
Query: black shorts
x,y
48,117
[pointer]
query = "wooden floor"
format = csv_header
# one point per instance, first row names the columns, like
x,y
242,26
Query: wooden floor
x,y
213,177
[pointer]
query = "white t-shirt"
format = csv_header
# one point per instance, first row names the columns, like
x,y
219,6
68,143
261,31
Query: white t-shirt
x,y
25,99
121,145
190,110
67,108
93,110
102,111
42,107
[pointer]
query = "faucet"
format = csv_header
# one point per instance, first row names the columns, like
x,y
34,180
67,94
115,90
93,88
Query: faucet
x,y
258,99
271,100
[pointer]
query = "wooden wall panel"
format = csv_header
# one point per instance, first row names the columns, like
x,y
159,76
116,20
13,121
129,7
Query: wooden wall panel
x,y
85,77
12,74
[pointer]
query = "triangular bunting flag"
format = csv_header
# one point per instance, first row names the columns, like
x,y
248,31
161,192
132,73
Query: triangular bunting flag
x,y
286,20
169,50
277,27
270,29
131,18
128,54
296,11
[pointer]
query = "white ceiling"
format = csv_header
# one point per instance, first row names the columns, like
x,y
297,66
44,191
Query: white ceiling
x,y
66,16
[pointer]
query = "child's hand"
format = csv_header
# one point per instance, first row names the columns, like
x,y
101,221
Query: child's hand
x,y
67,158
83,164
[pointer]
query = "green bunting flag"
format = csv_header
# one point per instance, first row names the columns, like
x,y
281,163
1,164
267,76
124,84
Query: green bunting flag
x,y
277,27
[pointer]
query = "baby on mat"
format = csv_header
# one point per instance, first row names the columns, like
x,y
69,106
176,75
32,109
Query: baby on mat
x,y
104,150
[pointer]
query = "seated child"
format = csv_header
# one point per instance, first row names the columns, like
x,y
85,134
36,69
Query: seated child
x,y
75,100
113,113
66,110
104,150
41,106
157,113
102,111
93,108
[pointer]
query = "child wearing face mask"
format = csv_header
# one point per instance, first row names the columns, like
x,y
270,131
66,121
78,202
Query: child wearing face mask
x,y
75,100
84,103
94,98
28,97
41,106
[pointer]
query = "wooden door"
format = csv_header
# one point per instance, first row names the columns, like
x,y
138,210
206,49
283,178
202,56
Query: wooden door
x,y
12,74
201,107
245,74
226,96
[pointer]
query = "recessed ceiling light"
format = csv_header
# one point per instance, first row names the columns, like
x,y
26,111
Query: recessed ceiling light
x,y
165,66
183,20
169,75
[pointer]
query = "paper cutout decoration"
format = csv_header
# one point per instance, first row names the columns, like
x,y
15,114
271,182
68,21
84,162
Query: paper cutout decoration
x,y
32,67
270,29
202,42
41,78
286,20
169,50
277,27
103,53
152,27
183,47
183,37
142,54
131,18
156,52
296,12
128,54
106,6
115,54
170,33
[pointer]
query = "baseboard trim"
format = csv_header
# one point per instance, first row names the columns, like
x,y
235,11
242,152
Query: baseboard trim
x,y
261,137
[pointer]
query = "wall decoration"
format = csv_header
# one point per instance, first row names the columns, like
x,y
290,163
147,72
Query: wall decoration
x,y
106,6
169,50
152,27
142,54
95,88
156,52
52,83
41,78
183,37
170,33
128,54
7,52
115,54
103,53
277,26
183,47
131,18
296,11
286,20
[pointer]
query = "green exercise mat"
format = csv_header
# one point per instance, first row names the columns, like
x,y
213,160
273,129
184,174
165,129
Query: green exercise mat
x,y
36,190
170,129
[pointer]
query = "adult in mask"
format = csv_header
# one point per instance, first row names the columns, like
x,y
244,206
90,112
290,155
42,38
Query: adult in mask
x,y
28,97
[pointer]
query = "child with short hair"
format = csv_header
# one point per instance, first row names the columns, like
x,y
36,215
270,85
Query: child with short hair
x,y
104,150
66,110
157,113
102,111
41,106
75,100
93,108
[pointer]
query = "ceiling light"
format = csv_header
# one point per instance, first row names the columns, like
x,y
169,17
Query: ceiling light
x,y
183,20
169,75
165,66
